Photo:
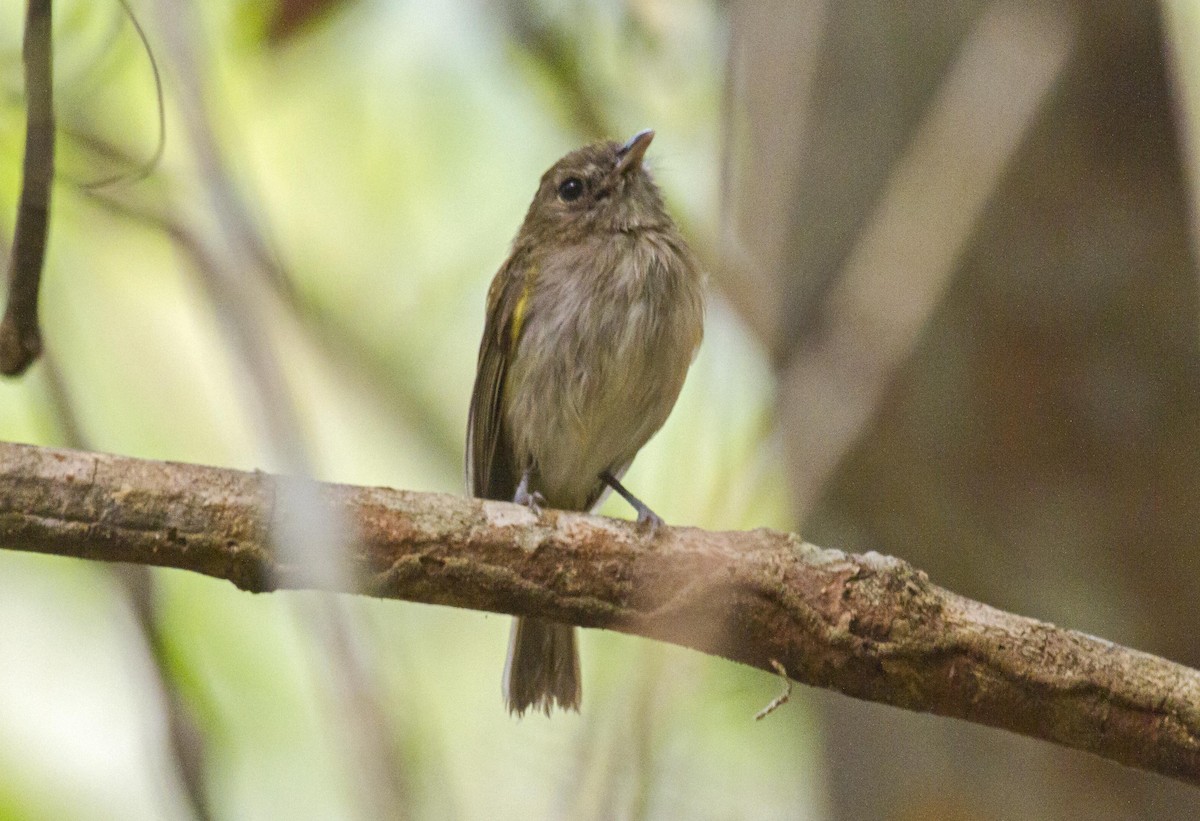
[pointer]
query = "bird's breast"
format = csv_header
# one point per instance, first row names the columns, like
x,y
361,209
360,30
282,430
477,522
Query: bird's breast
x,y
607,338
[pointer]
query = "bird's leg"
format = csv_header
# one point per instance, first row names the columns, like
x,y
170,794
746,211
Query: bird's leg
x,y
534,500
647,518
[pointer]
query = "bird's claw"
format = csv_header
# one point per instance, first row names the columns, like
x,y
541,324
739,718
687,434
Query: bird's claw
x,y
649,522
535,501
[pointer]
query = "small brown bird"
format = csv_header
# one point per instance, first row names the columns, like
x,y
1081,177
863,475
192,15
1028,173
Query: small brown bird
x,y
592,322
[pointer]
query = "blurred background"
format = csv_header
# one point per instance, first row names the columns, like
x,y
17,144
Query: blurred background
x,y
953,319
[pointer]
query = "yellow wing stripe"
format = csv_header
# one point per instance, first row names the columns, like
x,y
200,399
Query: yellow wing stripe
x,y
518,315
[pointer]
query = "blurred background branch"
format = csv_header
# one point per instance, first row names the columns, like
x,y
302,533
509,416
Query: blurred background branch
x,y
20,333
238,277
848,339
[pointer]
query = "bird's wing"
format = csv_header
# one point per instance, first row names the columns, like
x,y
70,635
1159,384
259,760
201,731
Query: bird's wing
x,y
491,472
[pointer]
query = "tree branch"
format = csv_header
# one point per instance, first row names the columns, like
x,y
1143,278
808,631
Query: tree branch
x,y
868,626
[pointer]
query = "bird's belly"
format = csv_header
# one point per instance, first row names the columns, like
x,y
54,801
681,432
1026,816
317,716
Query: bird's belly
x,y
587,402
607,432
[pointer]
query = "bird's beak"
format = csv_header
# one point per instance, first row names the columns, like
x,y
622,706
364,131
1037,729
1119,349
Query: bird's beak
x,y
632,152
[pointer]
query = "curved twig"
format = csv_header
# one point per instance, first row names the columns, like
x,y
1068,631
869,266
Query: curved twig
x,y
20,334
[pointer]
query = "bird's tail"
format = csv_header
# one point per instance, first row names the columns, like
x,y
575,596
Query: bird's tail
x,y
542,670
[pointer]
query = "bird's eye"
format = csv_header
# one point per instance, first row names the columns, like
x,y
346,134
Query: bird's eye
x,y
570,189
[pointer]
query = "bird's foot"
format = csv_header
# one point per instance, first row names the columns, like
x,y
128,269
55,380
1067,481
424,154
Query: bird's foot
x,y
524,497
647,520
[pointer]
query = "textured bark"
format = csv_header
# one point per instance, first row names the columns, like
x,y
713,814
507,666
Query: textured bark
x,y
868,626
